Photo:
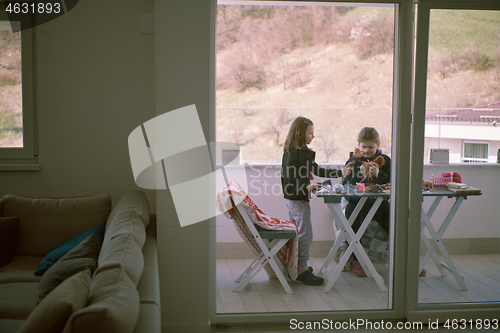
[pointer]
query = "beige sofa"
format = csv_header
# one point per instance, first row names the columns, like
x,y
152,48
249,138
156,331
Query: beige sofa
x,y
118,291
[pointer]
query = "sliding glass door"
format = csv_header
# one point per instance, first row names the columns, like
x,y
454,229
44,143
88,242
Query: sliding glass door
x,y
455,237
426,76
345,66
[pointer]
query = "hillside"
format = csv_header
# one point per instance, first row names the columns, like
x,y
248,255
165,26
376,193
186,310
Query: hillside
x,y
341,83
10,90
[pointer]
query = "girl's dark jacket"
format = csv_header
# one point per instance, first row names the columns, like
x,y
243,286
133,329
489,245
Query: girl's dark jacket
x,y
384,175
296,167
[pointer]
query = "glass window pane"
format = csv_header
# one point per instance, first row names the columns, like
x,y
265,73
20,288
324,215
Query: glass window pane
x,y
463,99
11,108
329,62
460,235
277,62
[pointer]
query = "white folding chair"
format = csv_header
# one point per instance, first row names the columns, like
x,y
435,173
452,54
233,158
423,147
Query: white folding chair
x,y
265,243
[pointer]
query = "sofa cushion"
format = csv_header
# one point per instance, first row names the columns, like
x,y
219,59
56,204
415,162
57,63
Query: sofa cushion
x,y
149,284
113,305
149,290
8,238
20,269
51,315
59,250
41,217
83,256
123,250
17,300
10,325
133,200
126,222
149,318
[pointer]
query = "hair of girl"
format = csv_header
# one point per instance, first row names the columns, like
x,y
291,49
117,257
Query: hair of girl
x,y
368,134
296,134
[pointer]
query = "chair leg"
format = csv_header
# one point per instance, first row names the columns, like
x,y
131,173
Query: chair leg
x,y
266,257
252,271
276,265
249,268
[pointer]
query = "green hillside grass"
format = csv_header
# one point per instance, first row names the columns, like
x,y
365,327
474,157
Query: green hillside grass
x,y
449,29
10,90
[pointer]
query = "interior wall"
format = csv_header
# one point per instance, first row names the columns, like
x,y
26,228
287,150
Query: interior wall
x,y
95,84
184,74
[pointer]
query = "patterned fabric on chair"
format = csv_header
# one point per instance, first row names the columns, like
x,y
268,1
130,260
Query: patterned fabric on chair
x,y
268,238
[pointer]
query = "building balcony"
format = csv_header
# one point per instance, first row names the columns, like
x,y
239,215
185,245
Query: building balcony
x,y
472,241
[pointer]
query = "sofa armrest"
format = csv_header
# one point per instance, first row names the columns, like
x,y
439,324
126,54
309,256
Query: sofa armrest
x,y
149,291
151,229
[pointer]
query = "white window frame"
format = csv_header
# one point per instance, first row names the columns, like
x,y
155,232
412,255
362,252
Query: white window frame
x,y
401,131
24,158
466,159
416,311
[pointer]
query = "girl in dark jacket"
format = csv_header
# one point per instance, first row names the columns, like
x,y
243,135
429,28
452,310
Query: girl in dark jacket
x,y
298,167
362,167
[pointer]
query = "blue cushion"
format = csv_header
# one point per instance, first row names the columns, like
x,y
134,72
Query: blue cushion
x,y
59,250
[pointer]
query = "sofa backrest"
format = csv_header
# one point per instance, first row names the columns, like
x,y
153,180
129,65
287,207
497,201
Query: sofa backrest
x,y
113,305
132,201
47,222
125,234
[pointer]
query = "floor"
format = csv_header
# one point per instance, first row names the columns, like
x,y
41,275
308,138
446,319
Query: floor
x,y
480,271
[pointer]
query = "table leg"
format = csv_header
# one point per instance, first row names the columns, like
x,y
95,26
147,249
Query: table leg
x,y
437,236
355,245
426,222
360,252
335,208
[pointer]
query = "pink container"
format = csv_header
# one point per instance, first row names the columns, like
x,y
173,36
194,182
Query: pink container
x,y
441,181
454,175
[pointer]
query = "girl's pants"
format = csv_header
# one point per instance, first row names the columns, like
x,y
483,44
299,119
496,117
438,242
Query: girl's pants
x,y
381,216
299,211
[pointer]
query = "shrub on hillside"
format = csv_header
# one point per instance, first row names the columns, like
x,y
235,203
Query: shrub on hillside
x,y
250,76
475,59
373,35
472,59
253,42
9,77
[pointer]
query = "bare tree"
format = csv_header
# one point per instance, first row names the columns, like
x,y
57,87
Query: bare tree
x,y
238,135
278,126
327,146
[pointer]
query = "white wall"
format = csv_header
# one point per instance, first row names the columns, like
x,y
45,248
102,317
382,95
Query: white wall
x,y
95,84
477,217
453,136
184,75
480,132
456,148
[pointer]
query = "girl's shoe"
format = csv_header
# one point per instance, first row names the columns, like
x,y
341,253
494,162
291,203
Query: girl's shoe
x,y
309,278
423,272
357,269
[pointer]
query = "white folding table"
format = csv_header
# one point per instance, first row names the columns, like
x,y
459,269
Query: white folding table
x,y
333,201
436,240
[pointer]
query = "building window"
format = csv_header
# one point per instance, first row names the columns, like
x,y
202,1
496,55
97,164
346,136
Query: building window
x,y
475,152
17,139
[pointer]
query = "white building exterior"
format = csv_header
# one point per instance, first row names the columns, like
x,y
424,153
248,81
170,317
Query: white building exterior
x,y
471,134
